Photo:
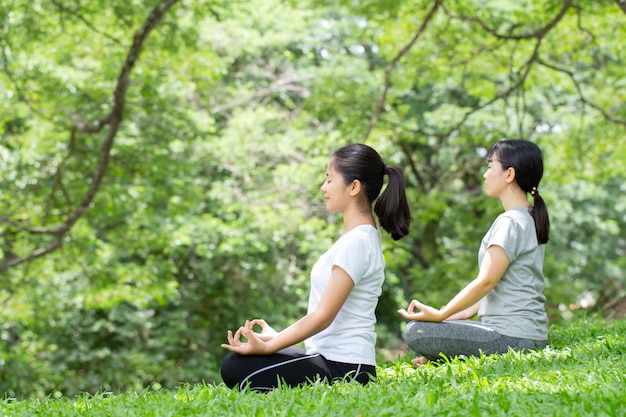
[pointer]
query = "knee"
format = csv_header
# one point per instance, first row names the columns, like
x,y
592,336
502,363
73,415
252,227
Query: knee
x,y
228,370
423,339
412,332
409,326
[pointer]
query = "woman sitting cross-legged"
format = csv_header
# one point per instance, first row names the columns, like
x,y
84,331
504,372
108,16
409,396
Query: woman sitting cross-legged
x,y
346,281
507,295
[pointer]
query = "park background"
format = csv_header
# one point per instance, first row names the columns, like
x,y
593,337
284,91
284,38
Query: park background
x,y
160,164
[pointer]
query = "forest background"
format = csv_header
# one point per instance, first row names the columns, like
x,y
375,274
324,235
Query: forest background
x,y
160,164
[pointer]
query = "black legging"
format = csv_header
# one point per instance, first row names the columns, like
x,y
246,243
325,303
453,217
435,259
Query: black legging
x,y
461,338
291,366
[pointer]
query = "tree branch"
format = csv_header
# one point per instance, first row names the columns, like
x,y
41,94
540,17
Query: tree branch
x,y
524,70
82,18
113,121
582,97
392,64
539,33
408,152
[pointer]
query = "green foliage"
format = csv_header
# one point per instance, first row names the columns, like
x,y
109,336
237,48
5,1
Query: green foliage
x,y
579,374
209,212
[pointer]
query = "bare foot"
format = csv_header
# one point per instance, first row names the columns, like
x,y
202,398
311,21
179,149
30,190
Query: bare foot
x,y
419,361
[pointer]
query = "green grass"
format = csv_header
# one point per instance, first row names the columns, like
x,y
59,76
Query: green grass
x,y
581,373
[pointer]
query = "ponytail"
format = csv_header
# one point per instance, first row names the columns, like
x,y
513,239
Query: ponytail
x,y
539,212
392,207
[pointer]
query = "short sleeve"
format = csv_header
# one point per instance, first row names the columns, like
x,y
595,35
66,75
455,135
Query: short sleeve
x,y
507,234
354,256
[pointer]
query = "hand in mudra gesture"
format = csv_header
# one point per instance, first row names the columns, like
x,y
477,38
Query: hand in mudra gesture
x,y
255,344
267,333
421,312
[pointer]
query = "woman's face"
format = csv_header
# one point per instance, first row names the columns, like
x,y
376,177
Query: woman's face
x,y
336,191
495,178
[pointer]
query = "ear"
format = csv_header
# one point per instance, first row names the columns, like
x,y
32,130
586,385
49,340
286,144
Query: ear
x,y
355,188
510,175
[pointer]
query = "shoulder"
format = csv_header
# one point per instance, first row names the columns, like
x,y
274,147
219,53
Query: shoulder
x,y
513,230
517,218
362,239
359,253
363,233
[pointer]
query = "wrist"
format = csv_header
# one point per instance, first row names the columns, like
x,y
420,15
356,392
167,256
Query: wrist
x,y
269,347
443,314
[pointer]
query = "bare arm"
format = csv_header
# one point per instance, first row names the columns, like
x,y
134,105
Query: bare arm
x,y
466,314
491,270
335,294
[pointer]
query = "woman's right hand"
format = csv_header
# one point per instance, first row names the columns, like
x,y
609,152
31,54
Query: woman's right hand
x,y
421,312
267,333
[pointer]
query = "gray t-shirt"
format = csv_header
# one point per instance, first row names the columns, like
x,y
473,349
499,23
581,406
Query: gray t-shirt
x,y
515,306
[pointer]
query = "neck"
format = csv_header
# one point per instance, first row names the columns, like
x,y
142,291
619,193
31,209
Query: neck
x,y
514,200
354,217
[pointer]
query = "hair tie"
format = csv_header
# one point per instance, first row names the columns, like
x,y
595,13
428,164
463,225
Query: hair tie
x,y
386,170
534,191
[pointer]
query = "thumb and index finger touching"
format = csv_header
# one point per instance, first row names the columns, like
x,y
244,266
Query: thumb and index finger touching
x,y
412,311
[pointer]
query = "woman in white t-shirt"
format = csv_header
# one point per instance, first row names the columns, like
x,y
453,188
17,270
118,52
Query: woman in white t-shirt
x,y
346,281
507,295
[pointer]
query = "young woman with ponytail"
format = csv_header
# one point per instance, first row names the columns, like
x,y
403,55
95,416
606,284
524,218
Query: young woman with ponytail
x,y
507,295
346,281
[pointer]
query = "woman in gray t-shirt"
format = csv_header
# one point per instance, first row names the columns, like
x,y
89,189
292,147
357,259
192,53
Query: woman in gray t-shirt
x,y
507,295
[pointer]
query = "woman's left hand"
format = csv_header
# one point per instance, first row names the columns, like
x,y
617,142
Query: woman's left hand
x,y
267,332
421,312
254,345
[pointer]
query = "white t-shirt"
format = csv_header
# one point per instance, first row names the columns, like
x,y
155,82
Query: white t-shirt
x,y
350,338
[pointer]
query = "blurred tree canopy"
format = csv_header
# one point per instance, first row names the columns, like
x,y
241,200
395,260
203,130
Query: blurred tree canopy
x,y
160,164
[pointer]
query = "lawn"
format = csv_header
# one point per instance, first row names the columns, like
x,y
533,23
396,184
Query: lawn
x,y
581,373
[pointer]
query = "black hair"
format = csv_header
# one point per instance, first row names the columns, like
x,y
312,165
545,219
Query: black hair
x,y
526,158
361,162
